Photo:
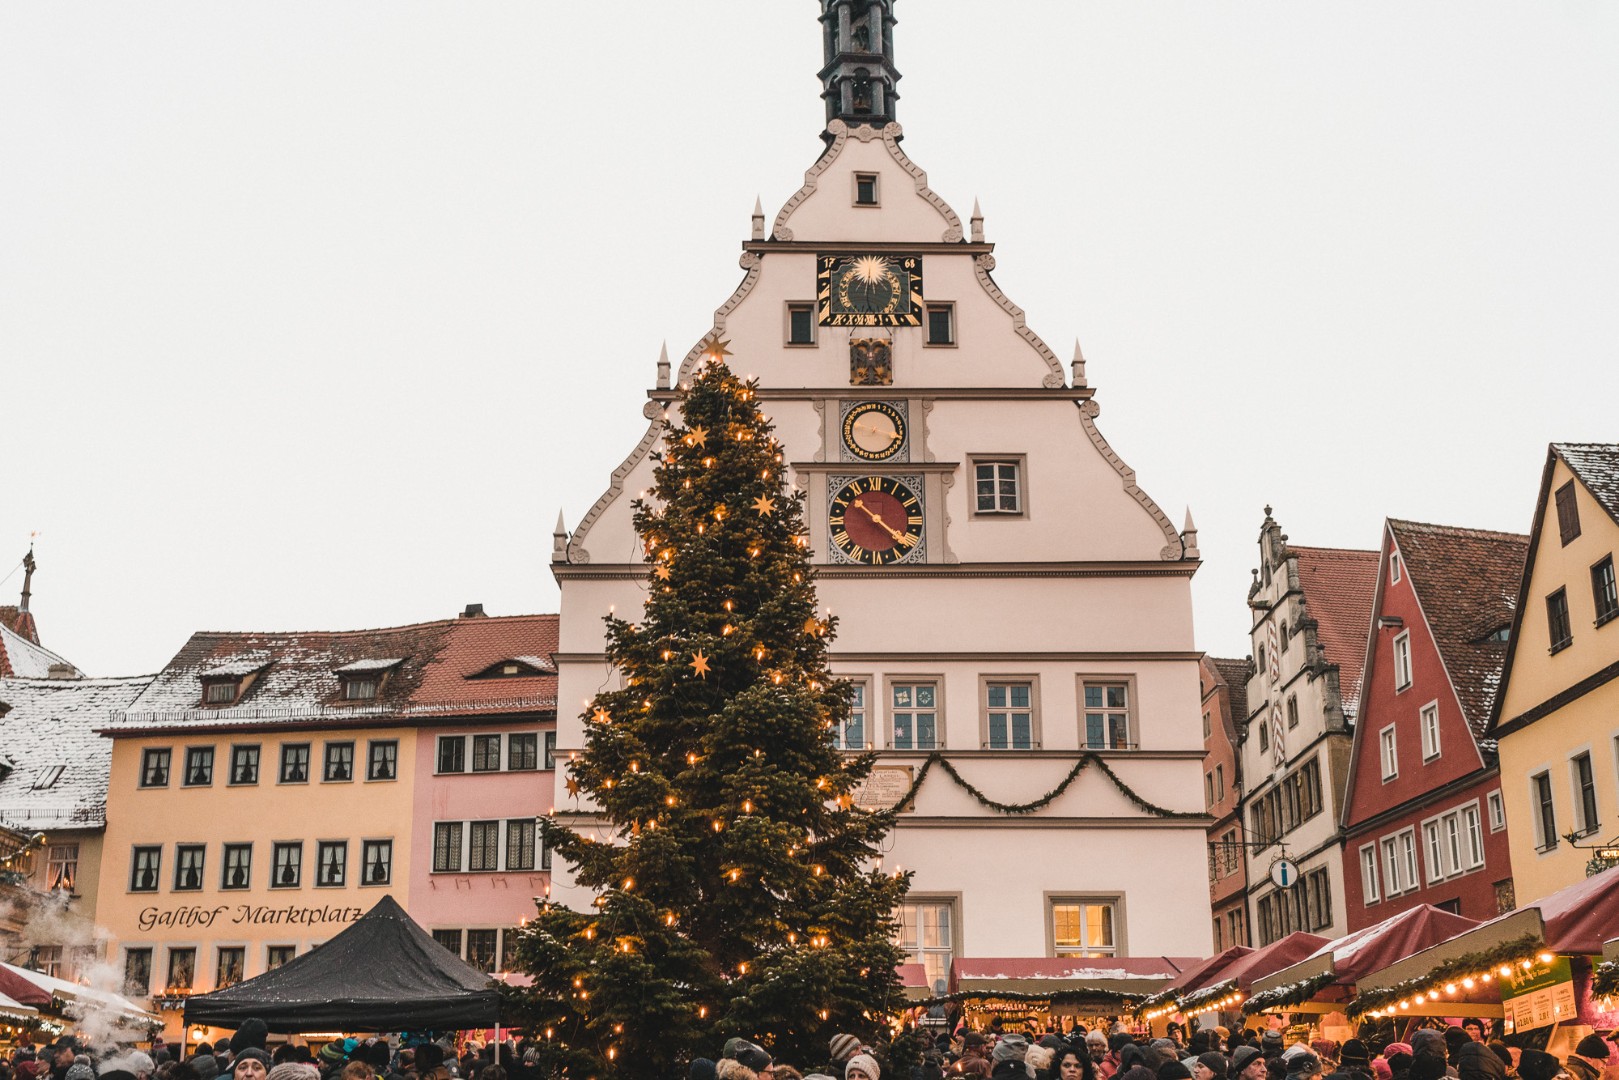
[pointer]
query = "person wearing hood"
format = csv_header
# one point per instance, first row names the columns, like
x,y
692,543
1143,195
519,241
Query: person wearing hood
x,y
1354,1063
1007,1058
1539,1065
1476,1061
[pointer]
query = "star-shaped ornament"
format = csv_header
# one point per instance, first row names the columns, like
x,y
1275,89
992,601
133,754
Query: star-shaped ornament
x,y
573,786
602,716
697,436
765,505
699,663
662,572
812,626
715,349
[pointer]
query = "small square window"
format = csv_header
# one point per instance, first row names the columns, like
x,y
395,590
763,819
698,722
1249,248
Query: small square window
x,y
523,752
941,324
997,488
865,189
295,763
155,767
800,323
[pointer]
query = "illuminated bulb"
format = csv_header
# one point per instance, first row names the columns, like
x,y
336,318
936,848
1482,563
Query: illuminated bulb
x,y
702,1012
669,919
691,759
747,806
1505,971
819,869
708,461
550,1032
1545,958
618,1029
1450,988
743,967
669,800
735,874
718,825
629,883
1486,976
635,766
792,939
759,652
590,935
728,630
822,1014
577,983
730,605
1468,982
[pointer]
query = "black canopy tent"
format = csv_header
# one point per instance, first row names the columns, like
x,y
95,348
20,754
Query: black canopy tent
x,y
384,973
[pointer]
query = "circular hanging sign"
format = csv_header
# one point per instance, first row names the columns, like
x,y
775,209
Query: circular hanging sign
x,y
1284,873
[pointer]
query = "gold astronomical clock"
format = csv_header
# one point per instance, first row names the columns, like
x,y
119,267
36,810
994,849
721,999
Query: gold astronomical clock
x,y
873,430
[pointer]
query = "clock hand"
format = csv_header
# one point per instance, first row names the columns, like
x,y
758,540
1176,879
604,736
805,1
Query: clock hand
x,y
881,524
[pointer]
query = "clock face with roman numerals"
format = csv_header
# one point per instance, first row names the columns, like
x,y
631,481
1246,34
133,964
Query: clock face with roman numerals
x,y
869,290
875,520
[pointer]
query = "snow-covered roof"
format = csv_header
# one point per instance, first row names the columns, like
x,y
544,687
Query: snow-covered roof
x,y
360,667
23,659
51,725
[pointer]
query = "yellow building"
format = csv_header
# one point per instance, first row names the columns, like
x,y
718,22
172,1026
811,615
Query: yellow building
x,y
1557,713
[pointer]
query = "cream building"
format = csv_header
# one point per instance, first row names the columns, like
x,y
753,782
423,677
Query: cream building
x,y
1557,713
1041,617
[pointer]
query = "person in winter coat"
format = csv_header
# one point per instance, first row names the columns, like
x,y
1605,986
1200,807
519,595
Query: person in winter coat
x,y
1476,1061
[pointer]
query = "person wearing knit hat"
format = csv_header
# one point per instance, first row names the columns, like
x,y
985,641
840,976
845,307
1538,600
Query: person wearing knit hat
x,y
1476,1061
862,1065
80,1071
294,1070
1174,1070
701,1069
1010,1048
753,1057
253,1032
844,1047
1595,1049
1246,1062
207,1066
1303,1065
251,1064
1539,1065
1210,1066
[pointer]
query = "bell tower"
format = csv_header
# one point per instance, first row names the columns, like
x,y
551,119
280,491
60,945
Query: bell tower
x,y
859,78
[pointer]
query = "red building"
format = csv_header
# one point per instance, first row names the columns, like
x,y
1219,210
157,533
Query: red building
x,y
1225,705
1424,822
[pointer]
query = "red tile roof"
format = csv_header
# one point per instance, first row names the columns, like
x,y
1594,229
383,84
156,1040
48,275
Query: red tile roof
x,y
1467,581
1235,674
297,680
1338,584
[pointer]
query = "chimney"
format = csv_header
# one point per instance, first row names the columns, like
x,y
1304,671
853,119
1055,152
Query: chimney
x,y
62,671
474,611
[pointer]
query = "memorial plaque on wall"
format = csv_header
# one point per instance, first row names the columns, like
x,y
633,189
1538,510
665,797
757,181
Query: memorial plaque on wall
x,y
886,786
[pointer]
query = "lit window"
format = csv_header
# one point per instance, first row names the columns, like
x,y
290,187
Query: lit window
x,y
1107,716
1083,928
62,866
1009,715
232,958
915,716
182,968
996,489
1430,731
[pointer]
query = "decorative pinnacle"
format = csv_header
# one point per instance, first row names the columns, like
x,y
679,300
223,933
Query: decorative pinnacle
x,y
977,222
559,541
1078,366
758,219
663,367
1189,538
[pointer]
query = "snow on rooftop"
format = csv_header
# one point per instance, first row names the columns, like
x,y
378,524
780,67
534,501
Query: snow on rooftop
x,y
28,661
362,666
59,778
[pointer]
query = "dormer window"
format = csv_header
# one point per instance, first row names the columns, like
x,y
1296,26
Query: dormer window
x,y
219,692
363,679
226,682
516,667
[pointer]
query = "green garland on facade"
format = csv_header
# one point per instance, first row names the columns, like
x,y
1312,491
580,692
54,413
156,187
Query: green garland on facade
x,y
1086,760
1507,952
1605,979
1292,994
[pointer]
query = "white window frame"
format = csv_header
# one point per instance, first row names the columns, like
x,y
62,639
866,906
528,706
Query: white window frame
x,y
936,683
1018,464
985,684
1388,753
1132,718
1394,568
861,703
928,308
1402,661
1498,811
917,950
787,324
1453,842
1428,718
1082,901
1370,894
876,179
1545,843
1400,873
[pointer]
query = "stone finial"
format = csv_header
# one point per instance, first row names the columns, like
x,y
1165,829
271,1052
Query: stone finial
x,y
1189,538
559,541
977,223
28,568
663,367
1078,366
758,219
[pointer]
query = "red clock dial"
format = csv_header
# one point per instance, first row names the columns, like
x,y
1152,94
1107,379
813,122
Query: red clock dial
x,y
875,520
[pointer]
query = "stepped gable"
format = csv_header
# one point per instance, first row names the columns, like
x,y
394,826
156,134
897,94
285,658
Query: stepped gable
x,y
1236,674
1597,466
53,764
1467,581
1338,584
296,677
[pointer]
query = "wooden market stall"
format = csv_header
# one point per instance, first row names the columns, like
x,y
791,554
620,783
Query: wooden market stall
x,y
1234,982
1059,992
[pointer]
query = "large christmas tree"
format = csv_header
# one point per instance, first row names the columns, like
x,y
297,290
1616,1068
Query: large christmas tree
x,y
738,887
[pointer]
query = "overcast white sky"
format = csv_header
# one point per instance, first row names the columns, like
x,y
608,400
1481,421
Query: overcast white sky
x,y
313,315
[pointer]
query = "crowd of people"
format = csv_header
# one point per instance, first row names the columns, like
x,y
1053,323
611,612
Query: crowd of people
x,y
1457,1053
246,1056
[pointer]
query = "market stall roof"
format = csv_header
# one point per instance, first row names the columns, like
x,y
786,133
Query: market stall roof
x,y
28,987
1570,922
1208,972
1241,974
1372,948
383,973
1134,976
914,979
12,1009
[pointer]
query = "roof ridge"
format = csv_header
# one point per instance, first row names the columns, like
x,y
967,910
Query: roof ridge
x,y
454,621
97,680
1459,530
1295,548
1587,446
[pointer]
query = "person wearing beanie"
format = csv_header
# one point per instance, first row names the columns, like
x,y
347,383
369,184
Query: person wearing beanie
x,y
752,1057
1476,1061
80,1071
1173,1070
378,1055
1539,1065
1427,1066
1270,1044
1138,1072
253,1032
1595,1050
1247,1063
863,1066
1303,1065
701,1069
207,1066
1010,1048
251,1064
845,1047
1354,1063
1210,1066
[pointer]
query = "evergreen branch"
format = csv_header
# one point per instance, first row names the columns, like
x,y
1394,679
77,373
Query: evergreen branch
x,y
1086,759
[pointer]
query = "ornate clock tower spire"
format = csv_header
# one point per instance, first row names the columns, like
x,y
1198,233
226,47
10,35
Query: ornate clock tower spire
x,y
859,78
